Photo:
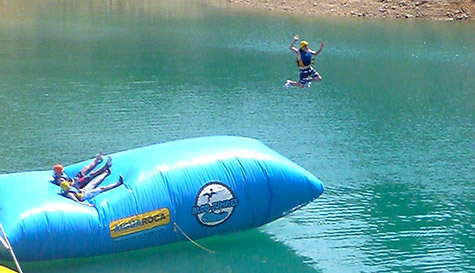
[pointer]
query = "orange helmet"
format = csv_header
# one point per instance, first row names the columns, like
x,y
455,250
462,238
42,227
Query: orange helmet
x,y
58,168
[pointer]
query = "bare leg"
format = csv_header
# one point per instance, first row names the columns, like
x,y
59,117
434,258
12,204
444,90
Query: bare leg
x,y
103,168
98,180
292,83
89,167
111,186
317,78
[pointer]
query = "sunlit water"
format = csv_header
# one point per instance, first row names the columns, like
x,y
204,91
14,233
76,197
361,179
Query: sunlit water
x,y
390,130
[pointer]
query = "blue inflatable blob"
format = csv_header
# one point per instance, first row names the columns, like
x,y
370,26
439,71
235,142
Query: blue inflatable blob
x,y
205,186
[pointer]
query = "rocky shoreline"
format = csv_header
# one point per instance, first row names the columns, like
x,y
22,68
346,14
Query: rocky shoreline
x,y
397,9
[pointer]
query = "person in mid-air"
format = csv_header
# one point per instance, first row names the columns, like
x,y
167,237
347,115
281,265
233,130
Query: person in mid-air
x,y
304,61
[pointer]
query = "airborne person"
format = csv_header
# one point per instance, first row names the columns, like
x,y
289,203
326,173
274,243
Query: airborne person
x,y
304,62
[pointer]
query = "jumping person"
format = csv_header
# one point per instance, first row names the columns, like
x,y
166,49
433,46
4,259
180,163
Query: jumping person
x,y
304,62
86,175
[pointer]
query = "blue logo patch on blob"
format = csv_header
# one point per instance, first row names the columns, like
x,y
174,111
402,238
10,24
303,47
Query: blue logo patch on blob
x,y
214,204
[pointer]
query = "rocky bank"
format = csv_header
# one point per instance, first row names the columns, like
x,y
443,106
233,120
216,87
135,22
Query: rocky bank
x,y
400,9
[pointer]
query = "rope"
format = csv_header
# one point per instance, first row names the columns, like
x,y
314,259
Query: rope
x,y
175,226
7,245
4,243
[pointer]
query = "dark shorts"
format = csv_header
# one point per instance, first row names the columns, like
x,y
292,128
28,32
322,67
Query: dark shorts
x,y
82,180
307,75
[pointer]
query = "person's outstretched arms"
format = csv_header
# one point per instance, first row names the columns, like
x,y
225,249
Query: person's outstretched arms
x,y
292,45
315,53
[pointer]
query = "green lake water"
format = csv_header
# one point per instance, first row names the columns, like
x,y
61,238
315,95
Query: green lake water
x,y
389,130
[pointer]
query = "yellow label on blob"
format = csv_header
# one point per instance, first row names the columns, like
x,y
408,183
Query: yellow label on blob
x,y
4,269
139,222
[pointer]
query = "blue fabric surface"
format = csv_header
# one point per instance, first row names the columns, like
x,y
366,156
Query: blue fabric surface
x,y
207,186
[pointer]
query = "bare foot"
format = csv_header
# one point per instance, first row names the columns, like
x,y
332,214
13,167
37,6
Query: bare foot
x,y
109,162
99,157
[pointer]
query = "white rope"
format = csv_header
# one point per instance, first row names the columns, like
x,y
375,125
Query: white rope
x,y
7,245
191,240
3,242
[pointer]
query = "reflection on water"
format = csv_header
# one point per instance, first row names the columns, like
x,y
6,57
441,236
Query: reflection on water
x,y
233,254
390,130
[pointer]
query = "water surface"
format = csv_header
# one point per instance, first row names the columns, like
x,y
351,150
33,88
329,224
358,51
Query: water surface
x,y
390,130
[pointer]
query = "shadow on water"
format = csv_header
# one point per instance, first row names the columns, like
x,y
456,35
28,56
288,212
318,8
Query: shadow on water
x,y
249,251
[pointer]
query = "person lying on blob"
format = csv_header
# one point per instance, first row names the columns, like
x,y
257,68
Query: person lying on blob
x,y
85,176
88,192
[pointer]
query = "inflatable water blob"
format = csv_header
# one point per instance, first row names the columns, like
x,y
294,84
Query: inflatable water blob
x,y
4,269
205,186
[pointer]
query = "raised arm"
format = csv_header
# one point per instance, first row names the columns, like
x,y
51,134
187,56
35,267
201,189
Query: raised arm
x,y
292,45
315,53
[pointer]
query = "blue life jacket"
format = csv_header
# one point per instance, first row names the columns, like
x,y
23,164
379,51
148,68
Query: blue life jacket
x,y
57,179
306,58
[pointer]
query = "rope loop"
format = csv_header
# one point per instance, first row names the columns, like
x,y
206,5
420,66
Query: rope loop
x,y
175,226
